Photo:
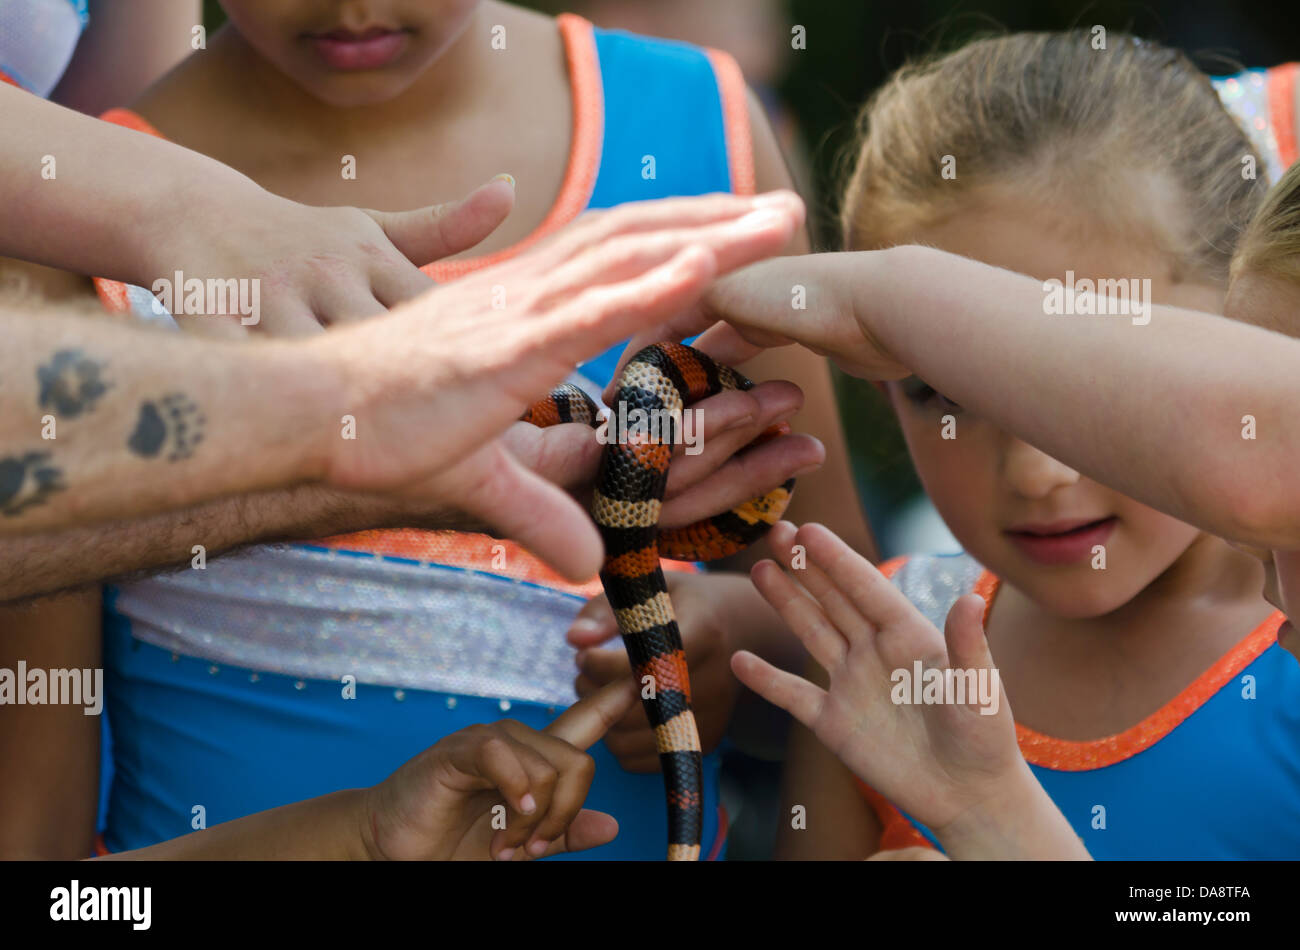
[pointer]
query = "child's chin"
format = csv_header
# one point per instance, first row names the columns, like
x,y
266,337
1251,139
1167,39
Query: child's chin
x,y
345,91
1078,595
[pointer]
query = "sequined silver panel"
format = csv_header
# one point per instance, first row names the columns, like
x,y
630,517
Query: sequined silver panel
x,y
1246,97
312,613
933,582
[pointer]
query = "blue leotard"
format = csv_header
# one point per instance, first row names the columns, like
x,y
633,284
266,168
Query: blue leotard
x,y
226,685
1213,774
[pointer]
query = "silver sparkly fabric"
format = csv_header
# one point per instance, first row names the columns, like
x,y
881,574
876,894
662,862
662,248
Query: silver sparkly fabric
x,y
933,582
1245,96
37,40
310,612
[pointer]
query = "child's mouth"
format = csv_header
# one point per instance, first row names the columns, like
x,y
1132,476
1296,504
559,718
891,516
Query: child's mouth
x,y
1061,542
346,50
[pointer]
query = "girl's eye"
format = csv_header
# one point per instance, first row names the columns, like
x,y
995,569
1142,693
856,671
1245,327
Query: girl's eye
x,y
922,394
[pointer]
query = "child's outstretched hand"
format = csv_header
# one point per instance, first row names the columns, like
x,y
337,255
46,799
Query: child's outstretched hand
x,y
956,767
499,790
322,266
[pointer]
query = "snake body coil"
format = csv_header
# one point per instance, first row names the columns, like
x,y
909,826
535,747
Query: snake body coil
x,y
662,381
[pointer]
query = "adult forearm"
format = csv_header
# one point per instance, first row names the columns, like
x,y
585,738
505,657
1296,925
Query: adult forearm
x,y
101,421
1190,413
39,564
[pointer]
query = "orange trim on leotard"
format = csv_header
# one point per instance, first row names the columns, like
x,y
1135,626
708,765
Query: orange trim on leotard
x,y
1065,755
735,117
472,552
4,77
1069,756
1281,107
585,150
131,120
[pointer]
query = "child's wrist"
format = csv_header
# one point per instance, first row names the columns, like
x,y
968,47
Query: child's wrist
x,y
205,210
1018,821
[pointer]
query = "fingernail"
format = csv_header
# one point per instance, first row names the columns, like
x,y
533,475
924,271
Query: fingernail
x,y
538,847
508,179
528,804
761,220
587,626
805,471
506,854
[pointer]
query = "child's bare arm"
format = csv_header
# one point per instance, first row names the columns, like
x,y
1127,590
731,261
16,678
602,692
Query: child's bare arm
x,y
980,336
49,754
829,495
445,804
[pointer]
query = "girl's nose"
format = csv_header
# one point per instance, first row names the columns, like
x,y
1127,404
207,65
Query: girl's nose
x,y
1033,474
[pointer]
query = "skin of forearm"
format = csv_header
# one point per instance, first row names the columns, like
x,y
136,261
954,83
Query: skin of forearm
x,y
1022,824
144,422
328,828
36,565
81,186
1154,411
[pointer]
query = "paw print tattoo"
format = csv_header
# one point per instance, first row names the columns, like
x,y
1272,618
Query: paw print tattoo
x,y
70,383
26,481
171,425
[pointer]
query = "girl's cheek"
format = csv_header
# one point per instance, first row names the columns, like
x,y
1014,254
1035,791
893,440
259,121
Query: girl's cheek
x,y
957,463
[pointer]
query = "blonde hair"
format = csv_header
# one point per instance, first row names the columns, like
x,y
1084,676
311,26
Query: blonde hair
x,y
1055,118
1271,244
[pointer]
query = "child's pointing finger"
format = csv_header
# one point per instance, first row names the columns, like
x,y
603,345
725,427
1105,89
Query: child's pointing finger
x,y
583,723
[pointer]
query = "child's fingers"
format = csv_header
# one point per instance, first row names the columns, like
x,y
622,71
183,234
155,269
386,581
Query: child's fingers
x,y
794,694
877,600
834,604
497,761
590,829
803,615
583,723
576,770
429,234
604,666
543,778
727,345
634,718
594,624
344,302
968,649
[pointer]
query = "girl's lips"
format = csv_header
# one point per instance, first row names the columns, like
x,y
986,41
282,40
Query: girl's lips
x,y
1061,542
348,51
